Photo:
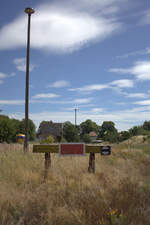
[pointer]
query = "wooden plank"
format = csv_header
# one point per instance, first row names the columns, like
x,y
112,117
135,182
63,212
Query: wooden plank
x,y
91,168
54,148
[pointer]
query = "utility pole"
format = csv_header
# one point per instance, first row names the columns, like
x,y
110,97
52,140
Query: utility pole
x,y
75,117
29,11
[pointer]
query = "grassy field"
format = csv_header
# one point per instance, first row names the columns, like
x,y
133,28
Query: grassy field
x,y
117,194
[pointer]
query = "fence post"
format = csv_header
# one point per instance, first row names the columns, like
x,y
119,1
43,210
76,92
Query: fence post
x,y
91,168
47,164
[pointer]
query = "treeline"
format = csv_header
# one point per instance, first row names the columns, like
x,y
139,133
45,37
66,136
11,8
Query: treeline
x,y
9,128
107,131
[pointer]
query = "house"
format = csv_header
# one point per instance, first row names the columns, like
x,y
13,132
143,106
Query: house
x,y
48,128
93,135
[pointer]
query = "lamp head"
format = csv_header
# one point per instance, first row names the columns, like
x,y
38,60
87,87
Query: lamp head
x,y
29,11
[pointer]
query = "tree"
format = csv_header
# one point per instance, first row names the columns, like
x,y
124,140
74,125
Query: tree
x,y
48,140
16,127
6,130
86,138
70,132
108,132
124,135
146,125
133,131
32,128
88,126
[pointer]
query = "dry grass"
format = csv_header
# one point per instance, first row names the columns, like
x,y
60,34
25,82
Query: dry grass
x,y
72,196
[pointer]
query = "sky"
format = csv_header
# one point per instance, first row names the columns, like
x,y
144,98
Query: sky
x,y
90,55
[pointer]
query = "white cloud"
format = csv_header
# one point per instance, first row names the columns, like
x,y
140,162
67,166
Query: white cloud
x,y
3,75
146,18
62,27
60,84
123,120
97,110
89,88
141,70
145,102
21,64
136,95
35,100
47,95
145,51
82,100
124,83
11,102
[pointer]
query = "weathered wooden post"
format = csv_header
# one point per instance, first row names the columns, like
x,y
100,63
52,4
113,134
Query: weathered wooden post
x,y
47,164
91,168
71,149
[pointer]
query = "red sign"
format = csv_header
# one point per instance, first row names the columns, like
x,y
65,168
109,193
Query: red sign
x,y
72,149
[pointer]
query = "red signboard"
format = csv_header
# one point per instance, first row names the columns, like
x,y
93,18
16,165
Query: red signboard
x,y
72,149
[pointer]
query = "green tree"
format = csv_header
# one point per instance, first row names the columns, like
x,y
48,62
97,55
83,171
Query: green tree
x,y
48,140
70,132
16,127
108,132
6,130
86,138
88,126
124,135
146,125
133,131
32,128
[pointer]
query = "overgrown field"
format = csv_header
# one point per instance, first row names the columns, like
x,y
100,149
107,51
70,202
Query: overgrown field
x,y
117,194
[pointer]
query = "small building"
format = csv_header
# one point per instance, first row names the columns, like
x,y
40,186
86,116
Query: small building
x,y
93,135
48,128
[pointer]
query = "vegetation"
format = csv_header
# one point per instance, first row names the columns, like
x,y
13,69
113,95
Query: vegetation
x,y
48,140
70,132
9,128
86,138
88,126
117,194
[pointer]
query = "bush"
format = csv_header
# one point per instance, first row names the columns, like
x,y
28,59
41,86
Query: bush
x,y
86,138
48,140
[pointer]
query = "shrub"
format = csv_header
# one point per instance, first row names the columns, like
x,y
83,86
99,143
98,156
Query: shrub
x,y
48,140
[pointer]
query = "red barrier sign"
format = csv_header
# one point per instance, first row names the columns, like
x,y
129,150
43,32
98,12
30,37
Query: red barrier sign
x,y
72,149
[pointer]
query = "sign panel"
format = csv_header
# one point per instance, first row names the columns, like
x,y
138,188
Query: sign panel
x,y
105,150
72,149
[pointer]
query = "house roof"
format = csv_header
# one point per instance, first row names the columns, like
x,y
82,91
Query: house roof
x,y
92,134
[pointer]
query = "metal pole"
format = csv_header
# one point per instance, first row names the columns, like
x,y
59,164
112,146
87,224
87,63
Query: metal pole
x,y
75,117
29,11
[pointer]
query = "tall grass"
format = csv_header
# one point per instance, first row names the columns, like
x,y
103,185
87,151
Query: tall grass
x,y
117,194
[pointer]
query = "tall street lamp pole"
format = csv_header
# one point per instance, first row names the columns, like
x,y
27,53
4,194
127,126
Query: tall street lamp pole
x,y
29,11
75,117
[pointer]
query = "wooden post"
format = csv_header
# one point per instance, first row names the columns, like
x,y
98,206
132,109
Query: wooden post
x,y
47,164
91,168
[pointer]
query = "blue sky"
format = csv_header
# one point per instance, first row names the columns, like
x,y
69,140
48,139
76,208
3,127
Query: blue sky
x,y
92,55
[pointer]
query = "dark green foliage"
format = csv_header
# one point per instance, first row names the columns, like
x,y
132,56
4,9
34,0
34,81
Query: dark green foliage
x,y
134,131
9,128
108,132
140,130
124,135
70,132
6,130
86,138
48,140
88,126
146,125
31,129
